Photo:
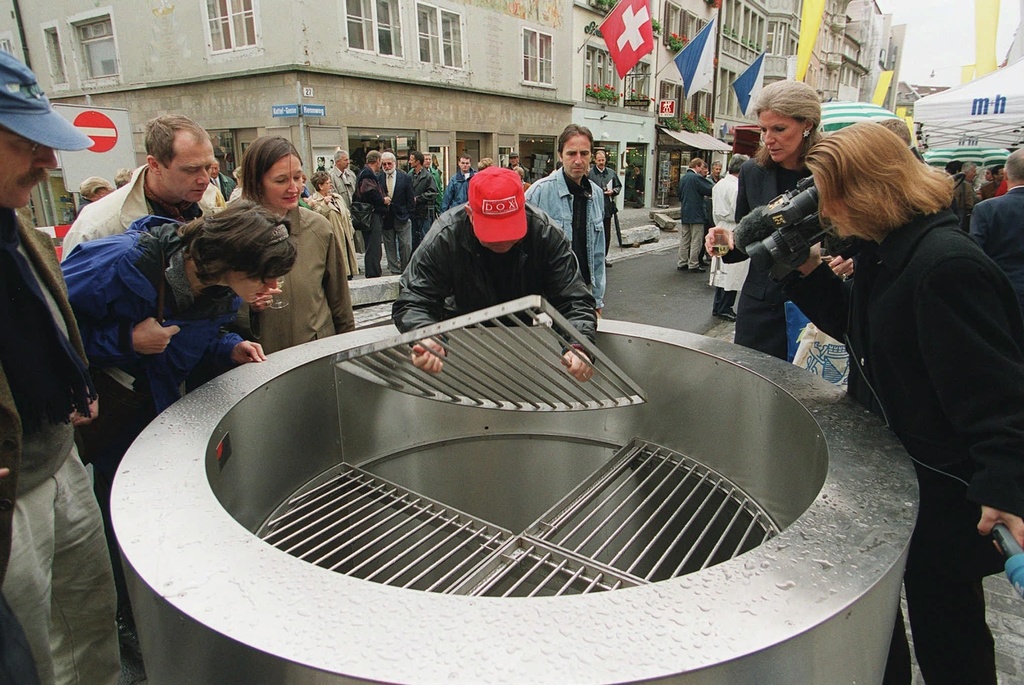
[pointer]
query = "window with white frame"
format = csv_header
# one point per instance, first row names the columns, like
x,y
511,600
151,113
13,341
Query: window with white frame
x,y
232,24
599,68
440,36
54,55
536,57
374,26
96,43
7,44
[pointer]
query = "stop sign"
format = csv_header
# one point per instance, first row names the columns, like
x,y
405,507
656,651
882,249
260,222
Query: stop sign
x,y
99,128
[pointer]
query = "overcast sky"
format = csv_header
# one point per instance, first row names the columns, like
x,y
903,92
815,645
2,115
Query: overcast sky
x,y
940,37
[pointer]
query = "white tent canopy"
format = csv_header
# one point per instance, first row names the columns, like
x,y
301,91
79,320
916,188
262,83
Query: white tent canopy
x,y
988,111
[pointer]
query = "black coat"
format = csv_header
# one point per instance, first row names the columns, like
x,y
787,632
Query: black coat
x,y
370,190
761,311
935,331
424,193
450,265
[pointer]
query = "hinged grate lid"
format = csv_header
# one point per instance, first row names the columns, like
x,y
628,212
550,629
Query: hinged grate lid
x,y
503,357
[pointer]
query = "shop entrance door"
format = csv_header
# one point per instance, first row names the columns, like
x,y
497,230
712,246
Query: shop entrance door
x,y
635,180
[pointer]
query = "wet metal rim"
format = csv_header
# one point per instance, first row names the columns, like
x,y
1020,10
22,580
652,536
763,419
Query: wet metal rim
x,y
818,566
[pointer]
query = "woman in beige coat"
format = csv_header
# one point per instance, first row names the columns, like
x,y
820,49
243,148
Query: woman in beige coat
x,y
316,290
331,205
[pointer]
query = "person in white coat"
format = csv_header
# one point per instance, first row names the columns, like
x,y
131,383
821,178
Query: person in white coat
x,y
727,278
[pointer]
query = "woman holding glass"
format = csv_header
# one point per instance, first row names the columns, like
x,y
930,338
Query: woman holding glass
x,y
788,113
317,288
152,304
936,330
331,205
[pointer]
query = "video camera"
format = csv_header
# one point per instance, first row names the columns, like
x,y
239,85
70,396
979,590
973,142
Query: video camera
x,y
782,232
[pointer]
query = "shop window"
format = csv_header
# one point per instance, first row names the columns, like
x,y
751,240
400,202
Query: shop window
x,y
399,142
537,57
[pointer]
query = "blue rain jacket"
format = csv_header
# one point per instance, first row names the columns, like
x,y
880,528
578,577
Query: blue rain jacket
x,y
113,285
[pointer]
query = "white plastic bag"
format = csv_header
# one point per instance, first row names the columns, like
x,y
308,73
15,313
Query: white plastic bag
x,y
822,355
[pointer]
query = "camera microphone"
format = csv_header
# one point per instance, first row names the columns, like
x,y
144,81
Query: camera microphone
x,y
753,228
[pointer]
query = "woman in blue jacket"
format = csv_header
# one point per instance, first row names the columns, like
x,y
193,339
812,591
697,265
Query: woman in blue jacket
x,y
151,304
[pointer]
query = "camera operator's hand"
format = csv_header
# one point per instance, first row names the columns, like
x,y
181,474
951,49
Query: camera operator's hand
x,y
709,239
812,262
841,267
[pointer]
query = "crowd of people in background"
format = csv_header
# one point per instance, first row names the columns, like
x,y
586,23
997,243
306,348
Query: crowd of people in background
x,y
178,270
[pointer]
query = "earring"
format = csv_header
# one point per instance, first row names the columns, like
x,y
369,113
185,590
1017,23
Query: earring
x,y
807,132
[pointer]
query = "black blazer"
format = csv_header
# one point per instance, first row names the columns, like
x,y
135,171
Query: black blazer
x,y
402,201
998,226
761,311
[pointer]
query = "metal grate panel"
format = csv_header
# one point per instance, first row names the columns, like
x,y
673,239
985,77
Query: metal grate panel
x,y
648,515
656,514
363,526
528,568
503,357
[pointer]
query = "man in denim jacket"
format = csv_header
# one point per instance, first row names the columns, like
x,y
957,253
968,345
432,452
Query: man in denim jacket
x,y
576,204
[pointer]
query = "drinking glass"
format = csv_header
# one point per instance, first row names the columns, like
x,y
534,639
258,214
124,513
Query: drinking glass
x,y
280,300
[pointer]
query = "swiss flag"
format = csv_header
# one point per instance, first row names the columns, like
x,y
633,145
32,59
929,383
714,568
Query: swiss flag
x,y
628,32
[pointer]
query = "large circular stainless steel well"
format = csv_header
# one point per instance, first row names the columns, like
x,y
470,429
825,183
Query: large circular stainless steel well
x,y
229,505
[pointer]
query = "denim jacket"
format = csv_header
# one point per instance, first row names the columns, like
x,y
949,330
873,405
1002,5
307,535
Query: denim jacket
x,y
551,194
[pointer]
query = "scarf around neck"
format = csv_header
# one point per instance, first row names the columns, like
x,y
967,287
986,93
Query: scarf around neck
x,y
47,377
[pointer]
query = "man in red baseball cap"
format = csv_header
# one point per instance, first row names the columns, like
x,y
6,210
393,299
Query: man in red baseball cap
x,y
493,249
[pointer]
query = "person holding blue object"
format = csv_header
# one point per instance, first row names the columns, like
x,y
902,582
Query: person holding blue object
x,y
937,335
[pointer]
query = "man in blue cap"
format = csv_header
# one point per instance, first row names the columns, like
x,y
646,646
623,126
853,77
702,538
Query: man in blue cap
x,y
58,579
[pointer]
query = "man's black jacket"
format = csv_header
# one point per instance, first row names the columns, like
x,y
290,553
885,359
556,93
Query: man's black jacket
x,y
448,274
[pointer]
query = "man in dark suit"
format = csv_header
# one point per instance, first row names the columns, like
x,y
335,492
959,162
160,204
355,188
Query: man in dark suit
x,y
998,225
693,188
397,225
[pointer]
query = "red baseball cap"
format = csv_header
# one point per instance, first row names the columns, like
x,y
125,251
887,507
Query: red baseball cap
x,y
498,208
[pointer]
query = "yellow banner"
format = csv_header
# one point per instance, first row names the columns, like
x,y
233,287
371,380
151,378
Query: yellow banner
x,y
810,25
986,22
882,89
966,73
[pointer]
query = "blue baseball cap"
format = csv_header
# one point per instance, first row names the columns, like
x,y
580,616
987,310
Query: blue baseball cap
x,y
25,110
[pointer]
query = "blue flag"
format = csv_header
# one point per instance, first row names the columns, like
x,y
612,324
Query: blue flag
x,y
750,83
696,62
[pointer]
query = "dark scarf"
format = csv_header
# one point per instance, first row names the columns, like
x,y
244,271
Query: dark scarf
x,y
47,377
183,211
580,199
